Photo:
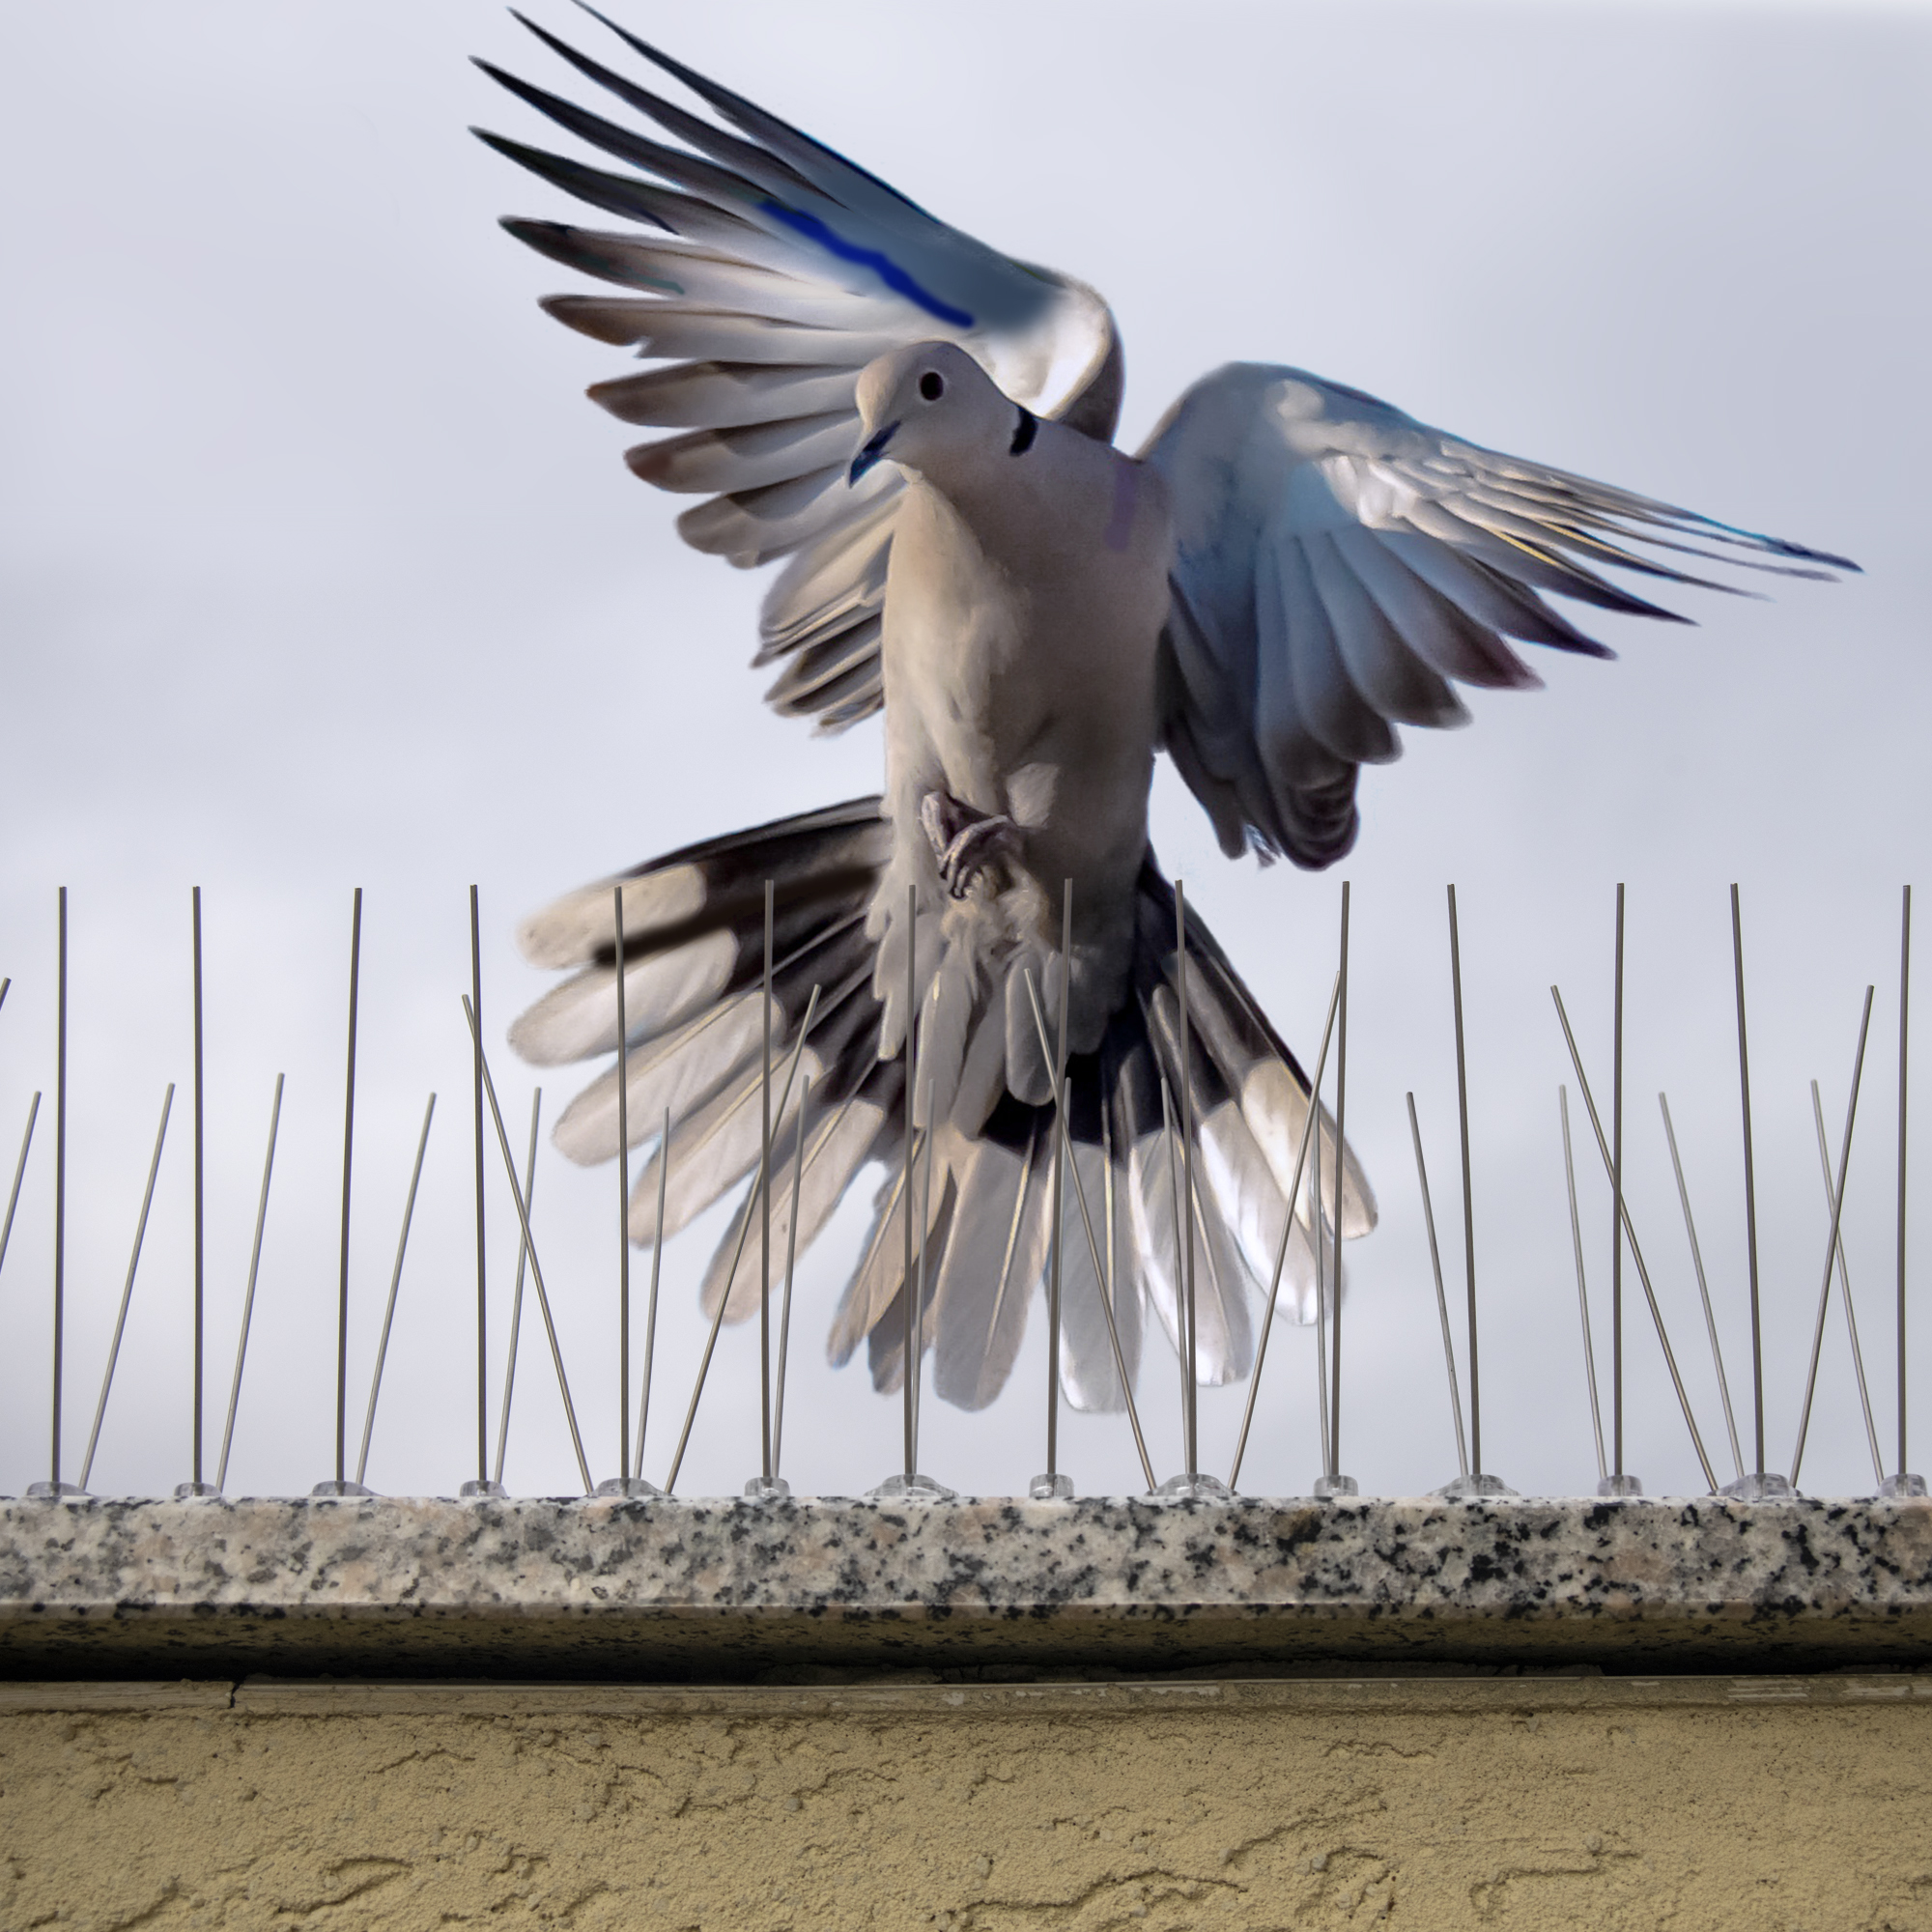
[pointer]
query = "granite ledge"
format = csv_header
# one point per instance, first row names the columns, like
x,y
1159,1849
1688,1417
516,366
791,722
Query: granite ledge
x,y
725,1590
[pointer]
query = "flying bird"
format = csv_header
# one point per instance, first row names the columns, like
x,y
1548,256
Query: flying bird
x,y
920,430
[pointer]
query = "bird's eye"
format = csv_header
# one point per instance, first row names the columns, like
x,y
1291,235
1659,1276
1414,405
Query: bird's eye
x,y
932,385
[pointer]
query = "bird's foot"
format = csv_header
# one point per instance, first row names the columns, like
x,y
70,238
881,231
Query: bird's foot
x,y
965,841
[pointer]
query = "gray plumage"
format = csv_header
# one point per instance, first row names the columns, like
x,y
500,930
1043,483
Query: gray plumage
x,y
1287,574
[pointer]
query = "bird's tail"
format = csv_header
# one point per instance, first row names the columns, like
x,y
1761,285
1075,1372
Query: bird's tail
x,y
981,1178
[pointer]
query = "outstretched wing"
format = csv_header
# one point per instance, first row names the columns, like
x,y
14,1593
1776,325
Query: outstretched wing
x,y
1340,567
762,271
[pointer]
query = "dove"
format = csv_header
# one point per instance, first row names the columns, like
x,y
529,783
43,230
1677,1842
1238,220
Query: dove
x,y
918,430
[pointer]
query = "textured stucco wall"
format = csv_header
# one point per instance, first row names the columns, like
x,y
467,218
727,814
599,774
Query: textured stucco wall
x,y
1516,1802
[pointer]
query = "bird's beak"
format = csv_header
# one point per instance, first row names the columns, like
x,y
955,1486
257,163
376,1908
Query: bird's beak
x,y
875,447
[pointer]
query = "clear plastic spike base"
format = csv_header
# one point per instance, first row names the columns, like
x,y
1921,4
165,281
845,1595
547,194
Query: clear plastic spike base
x,y
1328,1487
627,1486
187,1491
1760,1488
479,1487
1474,1488
336,1488
1621,1484
1894,1487
911,1489
1193,1486
53,1491
764,1488
1051,1489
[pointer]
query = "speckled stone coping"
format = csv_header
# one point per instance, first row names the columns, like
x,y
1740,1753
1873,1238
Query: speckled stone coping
x,y
724,1591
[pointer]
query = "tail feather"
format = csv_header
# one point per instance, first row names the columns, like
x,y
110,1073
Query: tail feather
x,y
837,1144
982,1124
682,1067
720,1141
992,1259
815,857
879,1279
885,1341
1089,1376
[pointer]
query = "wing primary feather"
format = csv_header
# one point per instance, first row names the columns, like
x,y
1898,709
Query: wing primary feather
x,y
777,135
769,171
672,164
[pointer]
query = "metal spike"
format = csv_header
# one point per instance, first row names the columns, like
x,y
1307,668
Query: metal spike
x,y
1845,1294
1636,1253
1751,1188
493,1487
529,1243
1309,1128
128,1286
1441,1294
19,1170
248,1298
395,1284
339,1487
1468,1194
744,1229
791,1258
1832,1245
1703,1289
651,1308
482,1478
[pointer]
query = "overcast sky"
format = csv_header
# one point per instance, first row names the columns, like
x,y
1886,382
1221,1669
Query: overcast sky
x,y
317,571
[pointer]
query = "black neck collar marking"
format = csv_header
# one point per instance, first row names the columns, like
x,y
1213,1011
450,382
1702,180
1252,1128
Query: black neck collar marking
x,y
1024,432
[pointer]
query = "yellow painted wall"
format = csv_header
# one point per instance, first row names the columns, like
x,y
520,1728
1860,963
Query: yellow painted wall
x,y
1523,1803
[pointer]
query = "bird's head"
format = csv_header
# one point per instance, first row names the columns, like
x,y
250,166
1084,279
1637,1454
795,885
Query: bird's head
x,y
931,407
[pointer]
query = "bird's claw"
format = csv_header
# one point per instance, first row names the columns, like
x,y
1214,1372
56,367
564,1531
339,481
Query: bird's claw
x,y
965,841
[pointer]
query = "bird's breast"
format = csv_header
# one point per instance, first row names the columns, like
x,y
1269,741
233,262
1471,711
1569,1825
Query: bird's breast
x,y
1011,607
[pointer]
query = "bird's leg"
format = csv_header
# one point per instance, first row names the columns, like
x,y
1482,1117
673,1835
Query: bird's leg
x,y
965,841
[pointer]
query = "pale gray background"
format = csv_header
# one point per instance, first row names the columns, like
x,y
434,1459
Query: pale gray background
x,y
319,572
